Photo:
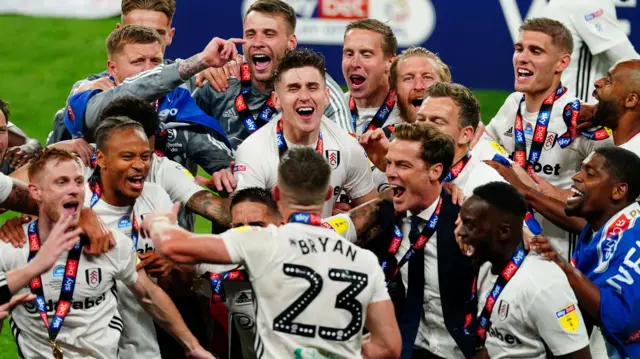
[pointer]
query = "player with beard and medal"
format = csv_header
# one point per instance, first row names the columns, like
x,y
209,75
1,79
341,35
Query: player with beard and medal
x,y
79,289
603,269
325,273
526,307
537,124
247,103
301,93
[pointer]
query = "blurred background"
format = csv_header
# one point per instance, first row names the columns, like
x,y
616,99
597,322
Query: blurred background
x,y
47,45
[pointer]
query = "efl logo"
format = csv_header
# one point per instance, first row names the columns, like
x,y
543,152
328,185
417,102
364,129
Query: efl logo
x,y
343,9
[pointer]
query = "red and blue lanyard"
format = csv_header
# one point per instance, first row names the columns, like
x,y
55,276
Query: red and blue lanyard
x,y
484,321
240,275
381,116
96,194
456,169
570,116
282,143
68,284
266,111
426,233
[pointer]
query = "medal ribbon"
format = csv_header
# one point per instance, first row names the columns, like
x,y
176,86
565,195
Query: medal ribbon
x,y
266,111
96,194
456,169
570,117
426,233
282,144
381,116
484,321
66,292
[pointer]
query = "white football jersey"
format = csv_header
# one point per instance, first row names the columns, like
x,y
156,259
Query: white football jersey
x,y
139,336
556,165
258,157
6,185
477,173
537,307
93,325
633,144
594,27
298,271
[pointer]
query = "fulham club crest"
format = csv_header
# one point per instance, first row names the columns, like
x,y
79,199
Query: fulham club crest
x,y
333,157
504,310
93,277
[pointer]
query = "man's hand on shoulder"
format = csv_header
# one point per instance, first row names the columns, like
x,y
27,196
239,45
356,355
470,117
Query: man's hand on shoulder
x,y
218,78
100,237
11,231
103,84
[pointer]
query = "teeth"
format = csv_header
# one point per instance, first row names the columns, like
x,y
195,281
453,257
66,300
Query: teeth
x,y
576,192
524,72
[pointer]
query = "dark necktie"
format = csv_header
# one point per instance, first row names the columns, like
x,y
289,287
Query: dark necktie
x,y
413,306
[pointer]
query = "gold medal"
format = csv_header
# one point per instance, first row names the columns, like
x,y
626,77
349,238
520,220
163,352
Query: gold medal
x,y
55,349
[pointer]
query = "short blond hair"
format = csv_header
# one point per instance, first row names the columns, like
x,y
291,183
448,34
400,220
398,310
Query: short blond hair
x,y
131,34
560,36
442,69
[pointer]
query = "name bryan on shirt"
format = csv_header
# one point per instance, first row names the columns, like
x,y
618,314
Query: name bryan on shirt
x,y
309,246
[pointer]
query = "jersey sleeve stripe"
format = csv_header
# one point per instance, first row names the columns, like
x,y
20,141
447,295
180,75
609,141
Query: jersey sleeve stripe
x,y
144,74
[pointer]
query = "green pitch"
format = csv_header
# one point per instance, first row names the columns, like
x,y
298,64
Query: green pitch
x,y
40,60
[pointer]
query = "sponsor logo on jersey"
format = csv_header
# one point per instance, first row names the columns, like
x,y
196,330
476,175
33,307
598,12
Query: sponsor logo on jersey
x,y
507,338
124,222
340,225
230,113
171,134
528,129
245,297
324,21
568,318
86,303
503,310
93,277
593,15
607,246
333,156
550,141
58,272
633,338
239,168
509,132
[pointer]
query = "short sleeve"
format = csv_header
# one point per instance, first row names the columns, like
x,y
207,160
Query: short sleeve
x,y
6,184
380,292
126,264
555,314
342,225
503,120
584,146
597,26
359,180
249,170
176,180
161,200
252,247
620,310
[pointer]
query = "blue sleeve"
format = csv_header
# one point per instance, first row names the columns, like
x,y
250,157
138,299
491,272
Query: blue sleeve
x,y
620,313
74,113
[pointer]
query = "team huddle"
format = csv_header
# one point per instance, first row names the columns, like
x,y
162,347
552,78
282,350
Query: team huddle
x,y
385,222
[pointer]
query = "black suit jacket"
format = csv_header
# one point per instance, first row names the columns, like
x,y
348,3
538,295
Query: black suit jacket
x,y
455,274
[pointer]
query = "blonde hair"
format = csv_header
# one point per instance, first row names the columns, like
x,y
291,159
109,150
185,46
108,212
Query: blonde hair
x,y
442,69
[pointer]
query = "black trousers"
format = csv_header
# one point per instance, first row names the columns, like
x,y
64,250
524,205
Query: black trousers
x,y
423,354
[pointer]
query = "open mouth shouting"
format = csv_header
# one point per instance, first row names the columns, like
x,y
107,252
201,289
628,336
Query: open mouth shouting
x,y
261,62
416,103
357,81
398,192
576,195
71,207
305,112
523,74
135,182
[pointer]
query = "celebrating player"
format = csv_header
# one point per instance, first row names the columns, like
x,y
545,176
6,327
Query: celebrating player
x,y
537,123
301,93
248,103
300,251
525,304
79,289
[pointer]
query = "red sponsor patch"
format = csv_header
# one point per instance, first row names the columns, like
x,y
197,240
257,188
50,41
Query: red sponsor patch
x,y
246,73
391,100
236,275
72,117
633,338
63,308
72,268
490,303
35,283
540,132
240,104
239,168
519,157
343,9
509,270
395,244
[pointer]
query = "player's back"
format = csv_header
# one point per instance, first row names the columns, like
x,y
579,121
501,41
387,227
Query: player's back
x,y
312,289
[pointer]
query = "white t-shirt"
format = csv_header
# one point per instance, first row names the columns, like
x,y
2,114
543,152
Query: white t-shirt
x,y
299,271
258,157
477,173
556,165
633,144
595,29
6,185
139,336
432,336
93,325
536,307
365,115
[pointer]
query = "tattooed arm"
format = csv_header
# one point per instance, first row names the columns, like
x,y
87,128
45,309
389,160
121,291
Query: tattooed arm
x,y
215,209
217,53
365,217
19,199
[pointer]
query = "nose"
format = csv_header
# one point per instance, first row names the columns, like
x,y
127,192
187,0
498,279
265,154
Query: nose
x,y
578,176
148,65
598,83
138,164
420,84
521,57
356,61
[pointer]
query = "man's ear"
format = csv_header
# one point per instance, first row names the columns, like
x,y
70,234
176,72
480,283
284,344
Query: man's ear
x,y
35,192
435,171
632,100
619,191
466,135
101,159
293,42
